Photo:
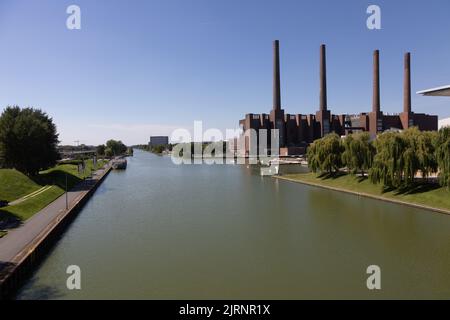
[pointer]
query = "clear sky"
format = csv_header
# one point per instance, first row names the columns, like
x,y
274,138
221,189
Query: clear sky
x,y
139,67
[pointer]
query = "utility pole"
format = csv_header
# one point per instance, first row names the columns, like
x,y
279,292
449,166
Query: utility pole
x,y
67,196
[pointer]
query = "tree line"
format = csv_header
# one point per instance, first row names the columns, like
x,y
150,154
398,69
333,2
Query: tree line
x,y
393,158
29,141
158,149
113,148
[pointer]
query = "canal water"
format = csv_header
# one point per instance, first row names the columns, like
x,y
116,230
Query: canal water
x,y
162,231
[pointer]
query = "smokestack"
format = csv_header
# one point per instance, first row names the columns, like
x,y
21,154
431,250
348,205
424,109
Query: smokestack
x,y
407,84
276,76
376,82
323,78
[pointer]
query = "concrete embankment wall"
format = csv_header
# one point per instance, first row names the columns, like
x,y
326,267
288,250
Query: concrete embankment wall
x,y
367,195
15,274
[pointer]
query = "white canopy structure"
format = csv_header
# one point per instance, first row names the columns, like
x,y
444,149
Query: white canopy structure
x,y
437,92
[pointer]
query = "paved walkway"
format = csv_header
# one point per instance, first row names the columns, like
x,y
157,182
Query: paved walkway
x,y
16,241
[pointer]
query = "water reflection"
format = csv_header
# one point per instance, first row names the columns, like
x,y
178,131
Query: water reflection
x,y
158,230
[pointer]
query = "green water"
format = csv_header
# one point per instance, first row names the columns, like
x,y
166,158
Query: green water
x,y
161,231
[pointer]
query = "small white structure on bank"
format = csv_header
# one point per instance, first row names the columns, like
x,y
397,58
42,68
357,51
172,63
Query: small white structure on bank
x,y
438,92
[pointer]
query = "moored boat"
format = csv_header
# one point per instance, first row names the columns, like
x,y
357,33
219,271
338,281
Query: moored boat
x,y
119,164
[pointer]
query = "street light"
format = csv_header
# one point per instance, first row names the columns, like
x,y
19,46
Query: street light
x,y
67,196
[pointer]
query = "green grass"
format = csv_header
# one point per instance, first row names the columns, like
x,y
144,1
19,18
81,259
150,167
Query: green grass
x,y
14,185
28,208
56,177
431,195
2,233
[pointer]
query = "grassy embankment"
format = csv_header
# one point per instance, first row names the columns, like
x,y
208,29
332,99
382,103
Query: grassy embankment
x,y
15,185
426,194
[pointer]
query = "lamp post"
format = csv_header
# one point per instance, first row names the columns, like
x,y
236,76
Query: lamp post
x,y
67,196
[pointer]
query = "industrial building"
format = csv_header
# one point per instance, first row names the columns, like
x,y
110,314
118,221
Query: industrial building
x,y
159,141
297,131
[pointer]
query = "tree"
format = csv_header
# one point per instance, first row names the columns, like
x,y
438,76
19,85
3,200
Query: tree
x,y
101,150
442,146
388,164
311,155
358,152
109,153
411,161
401,156
117,147
426,152
325,154
28,140
1,157
158,149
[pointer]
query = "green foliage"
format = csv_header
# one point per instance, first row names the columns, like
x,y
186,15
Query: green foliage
x,y
442,145
115,148
388,163
158,149
426,152
28,140
358,152
101,150
427,194
325,154
393,159
15,184
23,185
313,159
401,156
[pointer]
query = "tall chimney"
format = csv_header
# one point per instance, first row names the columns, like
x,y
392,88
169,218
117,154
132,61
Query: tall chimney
x,y
407,84
376,82
323,78
276,76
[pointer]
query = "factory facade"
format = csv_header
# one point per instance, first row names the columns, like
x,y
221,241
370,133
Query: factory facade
x,y
297,131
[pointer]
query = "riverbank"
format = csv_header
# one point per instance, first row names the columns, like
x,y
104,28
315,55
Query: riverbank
x,y
22,247
29,195
429,197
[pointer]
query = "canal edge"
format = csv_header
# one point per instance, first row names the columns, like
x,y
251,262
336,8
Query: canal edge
x,y
22,265
366,195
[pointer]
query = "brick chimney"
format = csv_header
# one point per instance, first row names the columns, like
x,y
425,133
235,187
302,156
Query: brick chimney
x,y
276,76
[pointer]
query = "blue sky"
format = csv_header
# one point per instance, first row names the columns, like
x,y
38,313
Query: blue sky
x,y
139,67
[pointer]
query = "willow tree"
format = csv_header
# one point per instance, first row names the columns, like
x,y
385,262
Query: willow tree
x,y
411,161
426,152
389,161
358,153
443,156
325,154
311,154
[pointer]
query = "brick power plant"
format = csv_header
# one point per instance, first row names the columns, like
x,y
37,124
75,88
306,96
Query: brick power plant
x,y
297,131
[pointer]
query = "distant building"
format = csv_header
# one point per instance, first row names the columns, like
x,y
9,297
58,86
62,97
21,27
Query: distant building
x,y
297,131
159,141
